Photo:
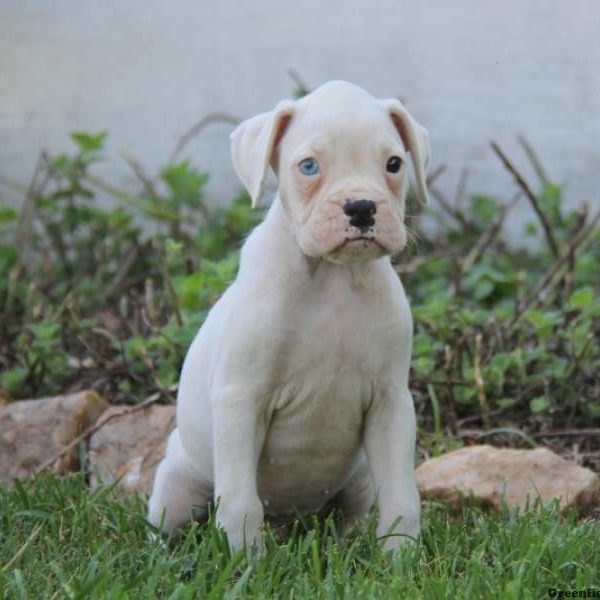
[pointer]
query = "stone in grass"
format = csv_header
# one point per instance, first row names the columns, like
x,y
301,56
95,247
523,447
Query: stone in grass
x,y
130,446
517,476
33,431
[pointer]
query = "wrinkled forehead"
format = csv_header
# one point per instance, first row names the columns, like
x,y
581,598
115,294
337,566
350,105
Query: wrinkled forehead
x,y
341,119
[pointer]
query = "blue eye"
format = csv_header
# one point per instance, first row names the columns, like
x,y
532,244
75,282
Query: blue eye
x,y
309,166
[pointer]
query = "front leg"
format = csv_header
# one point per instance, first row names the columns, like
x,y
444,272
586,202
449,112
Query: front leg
x,y
238,437
390,436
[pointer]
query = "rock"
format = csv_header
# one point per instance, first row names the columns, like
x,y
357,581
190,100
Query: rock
x,y
490,473
131,446
33,431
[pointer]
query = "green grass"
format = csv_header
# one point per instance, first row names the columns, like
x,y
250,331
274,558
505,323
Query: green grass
x,y
59,539
505,345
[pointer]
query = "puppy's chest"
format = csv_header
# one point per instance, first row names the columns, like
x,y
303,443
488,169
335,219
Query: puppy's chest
x,y
335,351
314,435
331,363
316,428
340,330
328,369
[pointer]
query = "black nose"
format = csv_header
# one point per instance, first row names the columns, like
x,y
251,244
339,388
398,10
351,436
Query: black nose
x,y
361,213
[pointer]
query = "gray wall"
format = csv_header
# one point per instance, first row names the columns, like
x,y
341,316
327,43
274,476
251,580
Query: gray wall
x,y
146,70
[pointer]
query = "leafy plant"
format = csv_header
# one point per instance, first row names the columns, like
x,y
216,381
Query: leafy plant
x,y
110,296
508,335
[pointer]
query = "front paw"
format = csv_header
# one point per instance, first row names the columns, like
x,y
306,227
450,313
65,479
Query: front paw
x,y
242,522
396,533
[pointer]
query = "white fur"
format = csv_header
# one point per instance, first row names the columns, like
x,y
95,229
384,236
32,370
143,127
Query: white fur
x,y
294,395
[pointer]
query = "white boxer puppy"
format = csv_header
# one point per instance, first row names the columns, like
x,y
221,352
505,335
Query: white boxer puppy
x,y
294,395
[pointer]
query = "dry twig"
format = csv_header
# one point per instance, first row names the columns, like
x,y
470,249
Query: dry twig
x,y
487,237
193,131
551,276
533,158
531,196
460,188
419,261
435,174
25,226
570,274
101,422
141,175
303,88
453,212
567,433
483,403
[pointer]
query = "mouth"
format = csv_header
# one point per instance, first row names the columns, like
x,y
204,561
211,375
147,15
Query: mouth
x,y
357,249
365,240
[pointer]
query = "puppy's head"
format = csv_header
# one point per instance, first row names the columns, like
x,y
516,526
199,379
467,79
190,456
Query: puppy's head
x,y
341,159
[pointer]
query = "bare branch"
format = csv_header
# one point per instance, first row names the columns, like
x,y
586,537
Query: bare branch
x,y
453,212
435,174
460,188
551,276
533,158
531,196
567,433
193,131
141,175
303,88
101,422
483,403
487,237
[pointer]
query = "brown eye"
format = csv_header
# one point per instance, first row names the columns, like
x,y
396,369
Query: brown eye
x,y
393,164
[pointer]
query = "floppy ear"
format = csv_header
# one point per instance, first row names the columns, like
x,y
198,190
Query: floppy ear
x,y
416,140
253,143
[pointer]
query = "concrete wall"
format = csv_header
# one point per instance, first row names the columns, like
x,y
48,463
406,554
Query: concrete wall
x,y
147,69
